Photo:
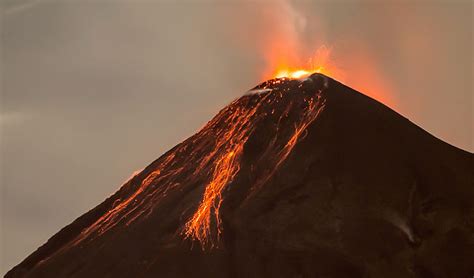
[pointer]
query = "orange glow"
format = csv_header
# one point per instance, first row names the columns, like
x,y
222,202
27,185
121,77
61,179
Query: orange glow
x,y
367,76
297,73
290,67
199,226
361,70
230,144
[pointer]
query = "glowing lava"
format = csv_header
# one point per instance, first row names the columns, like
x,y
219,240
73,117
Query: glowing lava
x,y
298,73
285,63
276,105
226,153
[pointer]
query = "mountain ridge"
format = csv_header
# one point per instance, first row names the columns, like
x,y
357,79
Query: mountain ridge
x,y
279,146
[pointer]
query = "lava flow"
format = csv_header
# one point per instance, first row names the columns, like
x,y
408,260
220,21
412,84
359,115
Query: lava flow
x,y
230,144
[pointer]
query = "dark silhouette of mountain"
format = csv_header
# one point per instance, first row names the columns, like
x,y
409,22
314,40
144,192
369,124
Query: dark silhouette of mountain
x,y
297,178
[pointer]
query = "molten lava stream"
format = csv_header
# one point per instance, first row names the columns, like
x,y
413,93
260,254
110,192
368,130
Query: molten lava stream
x,y
226,168
228,150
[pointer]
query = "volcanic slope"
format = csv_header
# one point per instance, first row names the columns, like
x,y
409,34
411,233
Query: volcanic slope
x,y
297,178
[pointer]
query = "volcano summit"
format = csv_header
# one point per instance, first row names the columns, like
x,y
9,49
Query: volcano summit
x,y
297,178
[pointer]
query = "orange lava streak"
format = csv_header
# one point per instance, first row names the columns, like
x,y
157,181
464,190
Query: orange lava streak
x,y
226,168
230,143
315,107
311,113
112,217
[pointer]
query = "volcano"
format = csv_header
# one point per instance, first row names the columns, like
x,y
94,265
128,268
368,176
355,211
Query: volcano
x,y
297,178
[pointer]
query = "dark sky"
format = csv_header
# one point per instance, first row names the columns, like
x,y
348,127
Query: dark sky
x,y
94,90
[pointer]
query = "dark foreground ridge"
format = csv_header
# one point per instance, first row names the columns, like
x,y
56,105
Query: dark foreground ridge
x,y
297,178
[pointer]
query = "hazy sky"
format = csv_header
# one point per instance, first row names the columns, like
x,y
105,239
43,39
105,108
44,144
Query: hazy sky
x,y
94,90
